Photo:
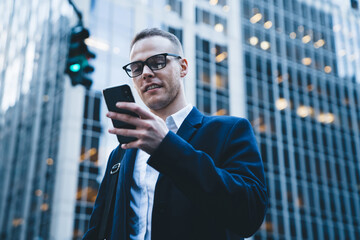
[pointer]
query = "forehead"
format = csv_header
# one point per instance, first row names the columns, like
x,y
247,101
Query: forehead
x,y
150,46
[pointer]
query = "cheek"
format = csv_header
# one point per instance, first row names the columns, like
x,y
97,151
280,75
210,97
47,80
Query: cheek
x,y
175,75
136,86
176,78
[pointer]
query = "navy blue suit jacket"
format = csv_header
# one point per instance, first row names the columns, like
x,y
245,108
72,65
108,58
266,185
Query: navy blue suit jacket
x,y
211,183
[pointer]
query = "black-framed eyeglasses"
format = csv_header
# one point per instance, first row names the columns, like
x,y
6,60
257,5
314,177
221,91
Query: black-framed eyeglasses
x,y
155,62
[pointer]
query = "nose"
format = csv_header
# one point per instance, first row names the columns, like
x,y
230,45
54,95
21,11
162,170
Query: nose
x,y
147,72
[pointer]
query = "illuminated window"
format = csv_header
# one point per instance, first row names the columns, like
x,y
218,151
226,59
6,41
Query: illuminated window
x,y
326,118
281,103
304,111
306,39
253,40
319,43
327,69
268,24
265,45
292,35
219,27
256,18
306,61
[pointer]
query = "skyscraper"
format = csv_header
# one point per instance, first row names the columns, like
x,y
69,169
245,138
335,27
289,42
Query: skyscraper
x,y
302,88
38,128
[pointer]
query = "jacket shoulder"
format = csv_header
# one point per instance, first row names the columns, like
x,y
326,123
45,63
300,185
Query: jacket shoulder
x,y
226,120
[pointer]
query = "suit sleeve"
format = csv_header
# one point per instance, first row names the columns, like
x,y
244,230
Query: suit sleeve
x,y
98,209
233,191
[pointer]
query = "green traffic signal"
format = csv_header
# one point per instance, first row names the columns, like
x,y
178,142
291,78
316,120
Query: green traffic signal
x,y
75,67
77,64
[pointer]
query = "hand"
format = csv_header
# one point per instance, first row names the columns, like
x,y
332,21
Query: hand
x,y
150,129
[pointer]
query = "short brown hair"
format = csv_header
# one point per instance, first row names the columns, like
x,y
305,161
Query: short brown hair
x,y
153,32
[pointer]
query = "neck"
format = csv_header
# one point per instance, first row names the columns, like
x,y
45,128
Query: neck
x,y
171,108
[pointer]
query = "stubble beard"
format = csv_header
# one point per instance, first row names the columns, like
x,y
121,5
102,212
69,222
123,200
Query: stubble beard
x,y
162,102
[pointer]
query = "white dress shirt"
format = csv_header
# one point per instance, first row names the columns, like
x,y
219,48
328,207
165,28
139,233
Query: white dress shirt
x,y
143,187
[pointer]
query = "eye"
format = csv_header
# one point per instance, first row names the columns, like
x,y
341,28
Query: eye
x,y
157,62
135,67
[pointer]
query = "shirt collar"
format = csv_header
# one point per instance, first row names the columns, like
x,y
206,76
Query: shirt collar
x,y
174,121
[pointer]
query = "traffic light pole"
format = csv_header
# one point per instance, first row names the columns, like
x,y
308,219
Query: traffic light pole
x,y
78,66
78,13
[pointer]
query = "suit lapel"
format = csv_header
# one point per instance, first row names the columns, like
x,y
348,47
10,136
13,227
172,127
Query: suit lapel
x,y
122,200
187,130
129,168
191,123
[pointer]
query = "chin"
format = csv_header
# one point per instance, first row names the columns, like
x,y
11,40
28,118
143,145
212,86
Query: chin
x,y
157,104
154,106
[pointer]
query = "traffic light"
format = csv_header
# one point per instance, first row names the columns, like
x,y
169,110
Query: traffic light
x,y
77,66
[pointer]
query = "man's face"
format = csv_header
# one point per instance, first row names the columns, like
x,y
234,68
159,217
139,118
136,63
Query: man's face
x,y
161,88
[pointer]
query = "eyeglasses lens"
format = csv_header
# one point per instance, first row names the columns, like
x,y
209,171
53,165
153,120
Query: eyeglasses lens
x,y
136,68
157,62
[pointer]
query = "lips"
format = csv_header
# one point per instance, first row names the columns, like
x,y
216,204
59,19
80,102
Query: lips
x,y
152,86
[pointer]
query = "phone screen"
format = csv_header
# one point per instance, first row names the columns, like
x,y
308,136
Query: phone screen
x,y
120,94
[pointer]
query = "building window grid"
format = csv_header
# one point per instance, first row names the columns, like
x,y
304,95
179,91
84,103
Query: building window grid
x,y
347,58
325,151
88,169
306,47
44,181
212,76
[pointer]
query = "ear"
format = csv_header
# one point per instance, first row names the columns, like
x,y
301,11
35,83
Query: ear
x,y
184,67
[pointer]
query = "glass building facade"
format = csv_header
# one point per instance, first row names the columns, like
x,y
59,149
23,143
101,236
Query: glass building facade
x,y
88,164
33,43
40,122
305,113
290,66
212,92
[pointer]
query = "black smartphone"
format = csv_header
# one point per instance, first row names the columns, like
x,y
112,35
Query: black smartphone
x,y
120,94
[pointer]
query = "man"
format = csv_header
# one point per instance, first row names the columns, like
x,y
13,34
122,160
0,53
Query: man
x,y
187,176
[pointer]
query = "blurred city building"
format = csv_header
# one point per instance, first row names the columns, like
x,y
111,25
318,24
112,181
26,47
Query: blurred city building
x,y
292,67
302,66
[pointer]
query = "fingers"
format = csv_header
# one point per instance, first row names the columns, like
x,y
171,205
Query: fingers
x,y
137,122
149,130
126,132
140,143
133,107
129,145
